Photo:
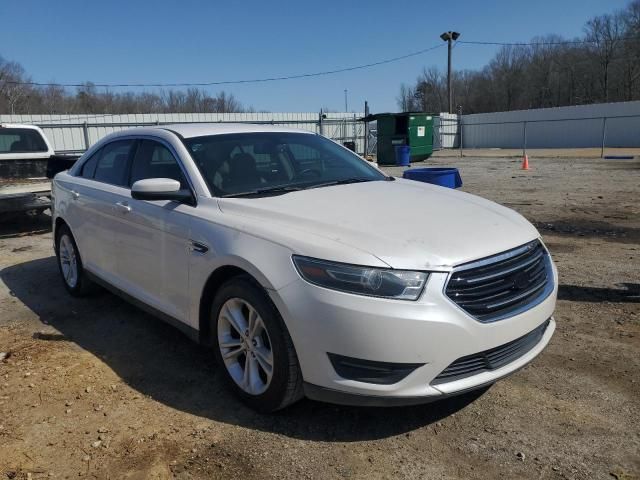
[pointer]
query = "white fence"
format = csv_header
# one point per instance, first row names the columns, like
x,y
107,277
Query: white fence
x,y
448,130
75,133
582,126
608,125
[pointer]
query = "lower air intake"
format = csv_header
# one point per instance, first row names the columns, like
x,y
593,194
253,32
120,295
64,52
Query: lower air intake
x,y
491,359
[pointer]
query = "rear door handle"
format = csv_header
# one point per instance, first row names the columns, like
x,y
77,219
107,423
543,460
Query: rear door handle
x,y
123,207
74,194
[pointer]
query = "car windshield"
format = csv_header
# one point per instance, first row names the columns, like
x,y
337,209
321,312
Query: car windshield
x,y
21,140
253,164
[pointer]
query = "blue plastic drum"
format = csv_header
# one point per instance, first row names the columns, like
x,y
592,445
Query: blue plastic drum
x,y
403,155
445,177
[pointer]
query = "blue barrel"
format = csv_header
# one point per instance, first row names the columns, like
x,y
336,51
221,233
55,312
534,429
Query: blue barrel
x,y
403,155
445,177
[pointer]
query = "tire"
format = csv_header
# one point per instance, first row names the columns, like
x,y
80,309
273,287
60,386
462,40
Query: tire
x,y
241,298
70,266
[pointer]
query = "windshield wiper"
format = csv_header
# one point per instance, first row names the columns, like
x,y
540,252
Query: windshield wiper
x,y
344,181
260,191
295,188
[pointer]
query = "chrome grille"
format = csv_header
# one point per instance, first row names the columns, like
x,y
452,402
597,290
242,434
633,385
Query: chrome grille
x,y
491,359
502,285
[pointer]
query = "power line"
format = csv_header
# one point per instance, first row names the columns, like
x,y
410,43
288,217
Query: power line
x,y
233,82
542,42
523,44
312,74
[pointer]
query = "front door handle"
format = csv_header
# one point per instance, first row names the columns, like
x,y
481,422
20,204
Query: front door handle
x,y
74,194
198,247
123,207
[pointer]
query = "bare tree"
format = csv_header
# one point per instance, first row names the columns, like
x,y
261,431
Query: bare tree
x,y
227,103
605,32
405,98
14,92
631,51
430,91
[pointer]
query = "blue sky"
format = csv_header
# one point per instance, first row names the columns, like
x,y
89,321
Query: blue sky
x,y
195,41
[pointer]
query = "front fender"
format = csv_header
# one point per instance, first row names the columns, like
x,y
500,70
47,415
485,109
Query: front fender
x,y
267,262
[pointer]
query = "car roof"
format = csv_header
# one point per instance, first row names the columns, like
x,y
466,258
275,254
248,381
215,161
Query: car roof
x,y
19,125
189,130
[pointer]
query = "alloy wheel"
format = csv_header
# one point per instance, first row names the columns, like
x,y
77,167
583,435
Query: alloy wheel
x,y
68,261
245,346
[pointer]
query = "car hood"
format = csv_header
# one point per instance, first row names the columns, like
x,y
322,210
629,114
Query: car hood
x,y
405,224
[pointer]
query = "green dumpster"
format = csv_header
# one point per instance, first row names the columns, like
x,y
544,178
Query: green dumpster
x,y
414,129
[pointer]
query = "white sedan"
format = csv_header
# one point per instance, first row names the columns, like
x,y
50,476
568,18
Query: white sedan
x,y
305,269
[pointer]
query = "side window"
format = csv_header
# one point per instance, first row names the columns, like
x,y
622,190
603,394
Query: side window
x,y
154,160
112,164
89,167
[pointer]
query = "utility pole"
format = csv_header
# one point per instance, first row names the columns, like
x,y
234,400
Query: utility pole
x,y
449,37
366,129
346,104
459,129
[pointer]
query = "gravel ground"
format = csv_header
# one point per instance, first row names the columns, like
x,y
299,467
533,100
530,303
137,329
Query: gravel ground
x,y
93,388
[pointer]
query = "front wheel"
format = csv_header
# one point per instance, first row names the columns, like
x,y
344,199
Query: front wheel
x,y
253,346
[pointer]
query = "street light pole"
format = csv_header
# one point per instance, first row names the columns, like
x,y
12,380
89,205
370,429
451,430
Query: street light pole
x,y
449,37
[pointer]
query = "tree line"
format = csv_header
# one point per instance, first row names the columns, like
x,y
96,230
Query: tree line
x,y
54,99
601,66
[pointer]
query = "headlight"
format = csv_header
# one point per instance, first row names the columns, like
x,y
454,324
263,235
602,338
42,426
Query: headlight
x,y
375,282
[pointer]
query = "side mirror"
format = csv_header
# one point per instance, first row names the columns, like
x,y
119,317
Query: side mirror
x,y
159,189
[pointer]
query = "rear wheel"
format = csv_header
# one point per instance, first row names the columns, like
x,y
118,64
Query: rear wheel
x,y
70,263
253,346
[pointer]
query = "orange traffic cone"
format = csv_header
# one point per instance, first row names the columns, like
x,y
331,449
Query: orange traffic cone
x,y
525,162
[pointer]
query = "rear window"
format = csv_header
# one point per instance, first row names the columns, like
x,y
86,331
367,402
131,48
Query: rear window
x,y
21,140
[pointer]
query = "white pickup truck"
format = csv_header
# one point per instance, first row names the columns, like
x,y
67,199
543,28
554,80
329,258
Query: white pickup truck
x,y
26,160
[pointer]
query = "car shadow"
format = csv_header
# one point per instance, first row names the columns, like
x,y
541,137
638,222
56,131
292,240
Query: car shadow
x,y
629,293
153,359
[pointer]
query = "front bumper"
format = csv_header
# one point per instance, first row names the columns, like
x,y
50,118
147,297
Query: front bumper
x,y
432,332
328,395
478,382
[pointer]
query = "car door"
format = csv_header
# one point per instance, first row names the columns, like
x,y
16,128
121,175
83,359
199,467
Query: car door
x,y
92,211
152,240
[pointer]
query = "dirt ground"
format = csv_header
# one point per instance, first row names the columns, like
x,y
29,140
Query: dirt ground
x,y
93,388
